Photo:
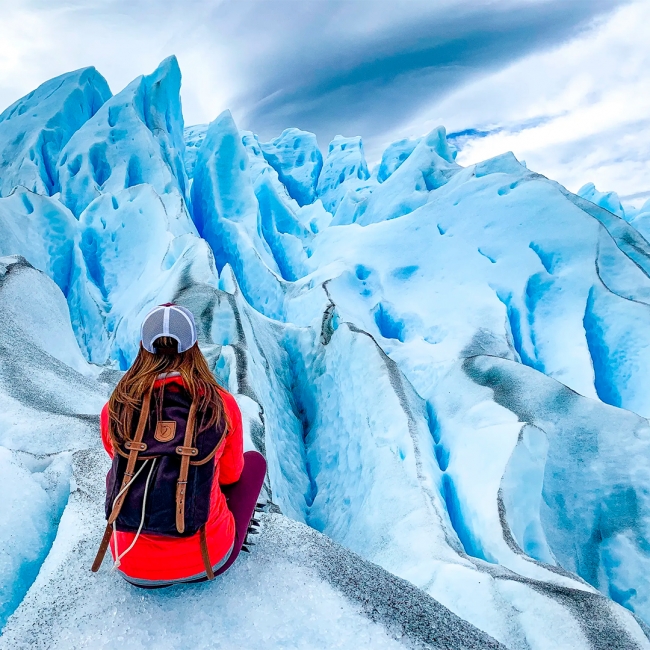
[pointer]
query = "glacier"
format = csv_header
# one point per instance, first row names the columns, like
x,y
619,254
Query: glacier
x,y
444,366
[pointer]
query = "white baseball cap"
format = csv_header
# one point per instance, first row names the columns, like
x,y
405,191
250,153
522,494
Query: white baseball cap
x,y
169,320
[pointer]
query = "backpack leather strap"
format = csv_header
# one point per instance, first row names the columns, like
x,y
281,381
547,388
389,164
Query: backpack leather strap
x,y
205,554
134,448
212,454
185,453
128,475
103,547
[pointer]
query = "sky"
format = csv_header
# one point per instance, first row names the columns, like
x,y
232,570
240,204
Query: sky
x,y
564,84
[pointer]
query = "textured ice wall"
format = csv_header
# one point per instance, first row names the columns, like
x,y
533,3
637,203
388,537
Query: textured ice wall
x,y
404,345
136,137
35,129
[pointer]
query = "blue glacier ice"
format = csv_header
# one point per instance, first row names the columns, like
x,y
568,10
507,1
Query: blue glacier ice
x,y
193,136
607,200
226,214
35,129
429,166
445,367
345,168
393,156
45,387
638,217
641,220
40,229
136,137
296,158
107,229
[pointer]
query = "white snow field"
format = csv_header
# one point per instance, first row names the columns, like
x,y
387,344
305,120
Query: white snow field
x,y
445,367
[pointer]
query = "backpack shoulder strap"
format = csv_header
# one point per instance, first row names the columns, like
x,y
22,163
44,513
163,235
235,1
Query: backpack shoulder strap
x,y
212,454
186,452
135,446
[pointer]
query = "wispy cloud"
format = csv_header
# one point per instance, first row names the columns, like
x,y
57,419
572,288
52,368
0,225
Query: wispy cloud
x,y
330,80
326,65
461,139
517,74
578,113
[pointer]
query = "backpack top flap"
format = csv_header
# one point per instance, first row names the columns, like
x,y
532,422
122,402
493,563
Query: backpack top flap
x,y
159,468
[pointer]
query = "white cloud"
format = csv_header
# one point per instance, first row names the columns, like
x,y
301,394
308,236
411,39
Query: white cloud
x,y
593,94
591,98
121,39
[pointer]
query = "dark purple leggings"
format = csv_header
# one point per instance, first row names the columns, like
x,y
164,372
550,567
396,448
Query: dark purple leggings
x,y
241,498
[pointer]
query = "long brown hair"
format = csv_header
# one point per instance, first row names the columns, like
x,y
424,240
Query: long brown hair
x,y
129,393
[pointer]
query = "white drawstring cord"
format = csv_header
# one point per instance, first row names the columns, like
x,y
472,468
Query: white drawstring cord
x,y
118,557
119,494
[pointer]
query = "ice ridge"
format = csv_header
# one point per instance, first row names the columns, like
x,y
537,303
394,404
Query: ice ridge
x,y
445,367
35,129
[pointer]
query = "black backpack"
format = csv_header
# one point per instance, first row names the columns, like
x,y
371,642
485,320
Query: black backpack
x,y
161,479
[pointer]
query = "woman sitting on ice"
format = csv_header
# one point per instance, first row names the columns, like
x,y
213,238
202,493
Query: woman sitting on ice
x,y
181,493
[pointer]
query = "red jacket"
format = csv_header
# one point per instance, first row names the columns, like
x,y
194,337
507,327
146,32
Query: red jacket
x,y
159,558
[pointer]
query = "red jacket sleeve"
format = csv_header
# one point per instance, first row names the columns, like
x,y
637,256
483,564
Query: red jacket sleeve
x,y
231,462
103,427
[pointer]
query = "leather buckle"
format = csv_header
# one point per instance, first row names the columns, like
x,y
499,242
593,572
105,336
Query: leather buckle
x,y
138,446
187,451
